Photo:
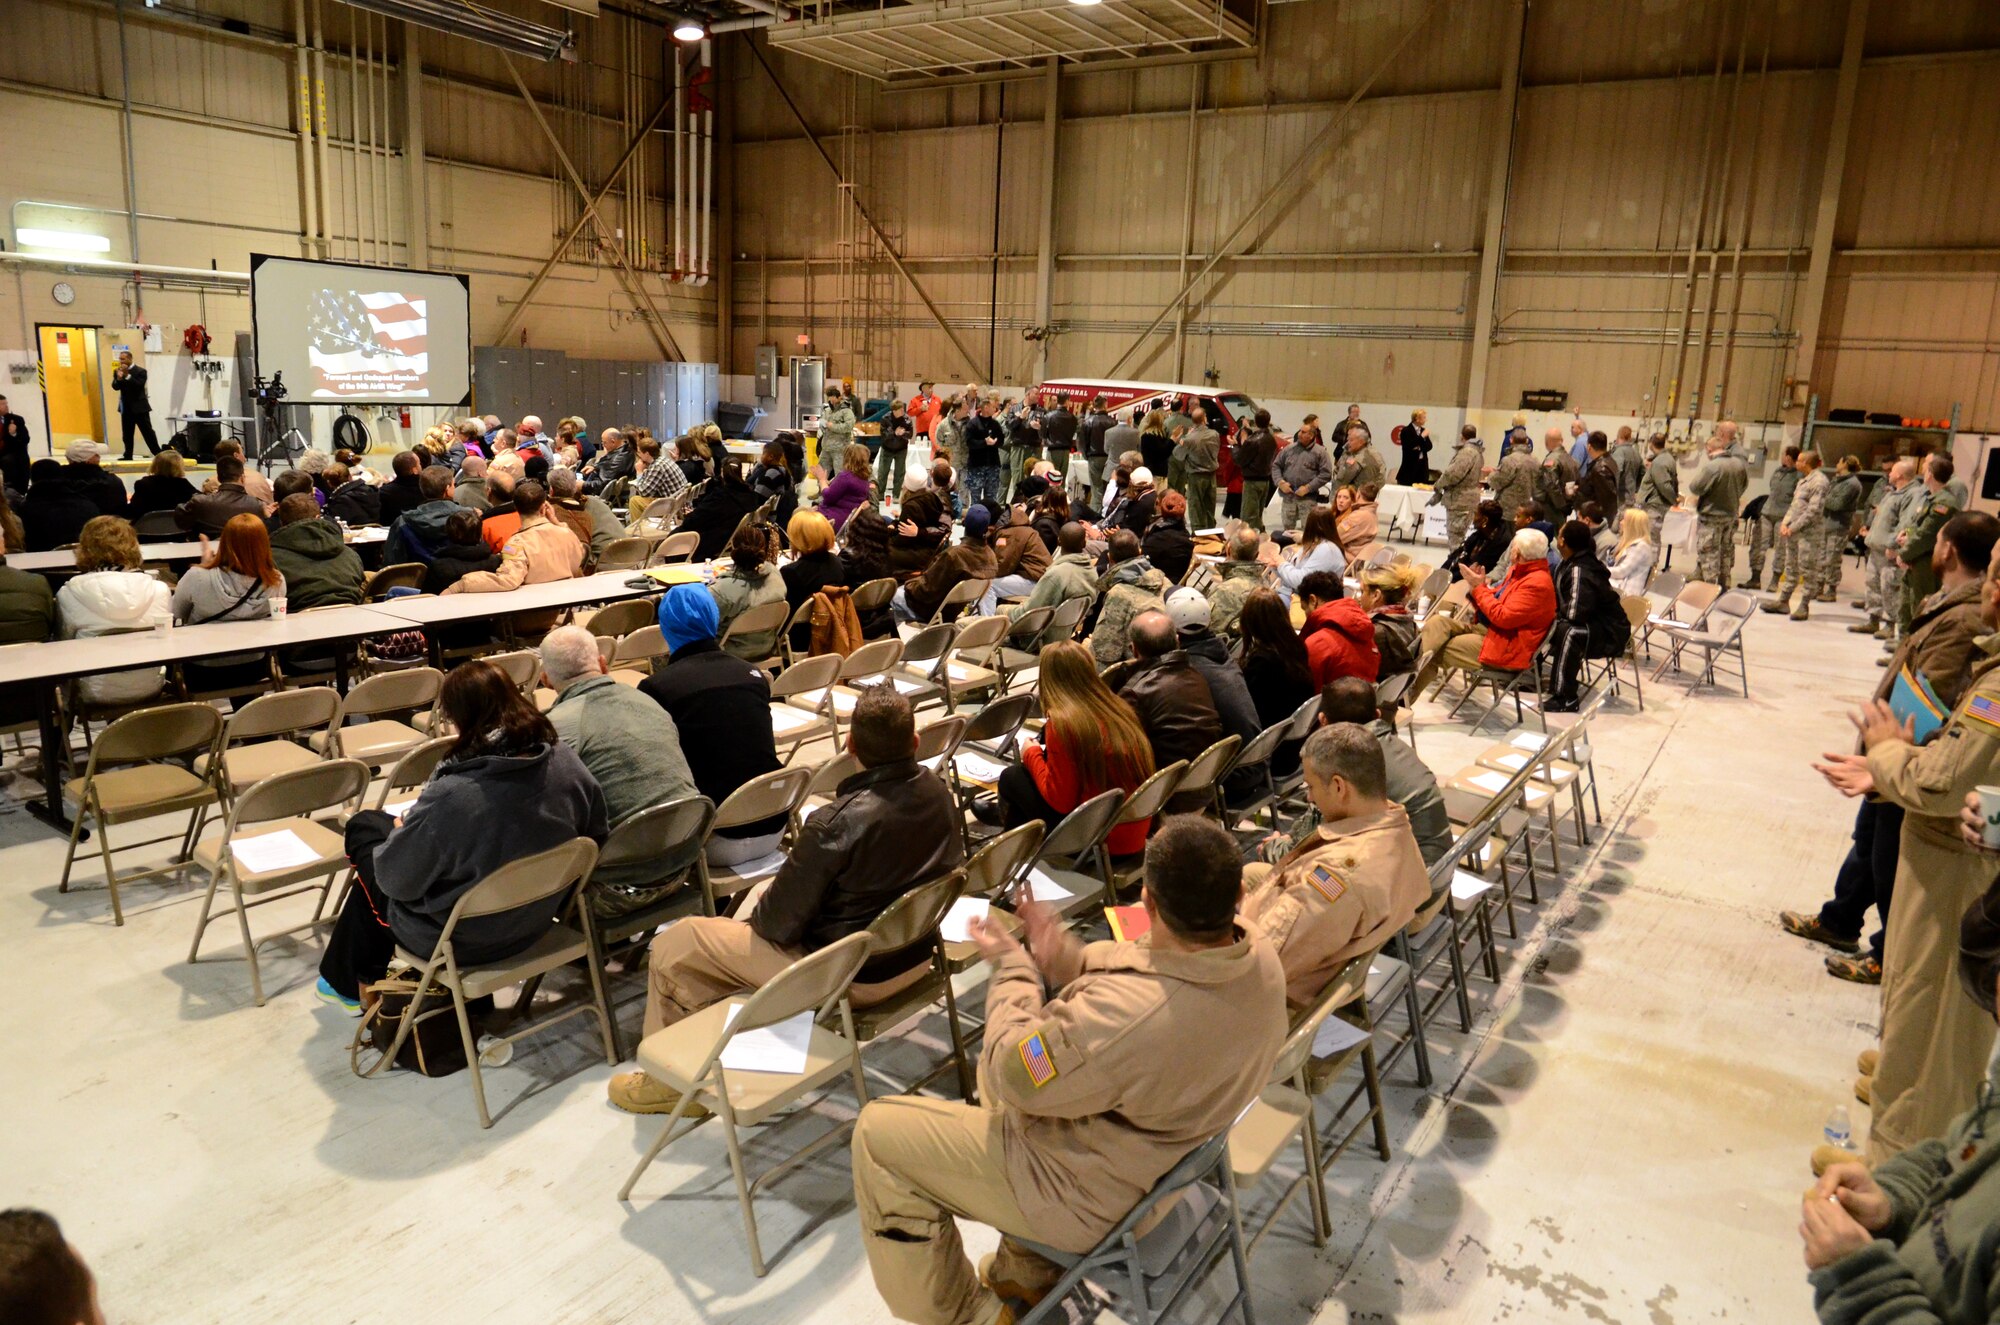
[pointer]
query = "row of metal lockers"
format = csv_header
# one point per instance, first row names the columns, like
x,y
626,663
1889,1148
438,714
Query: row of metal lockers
x,y
668,398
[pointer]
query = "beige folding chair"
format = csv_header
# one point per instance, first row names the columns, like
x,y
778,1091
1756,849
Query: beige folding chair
x,y
920,662
1075,838
549,879
625,554
687,1056
284,803
778,793
376,741
262,738
658,514
1282,1113
937,742
411,772
960,596
973,665
764,618
1021,649
635,657
622,618
1205,771
873,596
1147,800
871,664
522,666
403,575
912,922
801,723
826,780
127,779
801,619
674,549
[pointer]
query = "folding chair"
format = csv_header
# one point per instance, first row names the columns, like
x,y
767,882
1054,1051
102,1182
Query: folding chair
x,y
1154,1272
1144,803
772,795
1637,608
157,526
974,662
262,738
658,515
411,772
1687,607
128,777
375,586
284,802
674,549
637,654
909,923
799,724
662,842
1075,839
1509,831
801,619
1389,980
376,741
1205,770
1028,628
1717,636
622,618
765,618
826,780
687,1056
1450,600
1255,754
551,879
921,663
1506,685
938,742
625,554
1430,591
960,596
1393,694
874,663
522,666
873,597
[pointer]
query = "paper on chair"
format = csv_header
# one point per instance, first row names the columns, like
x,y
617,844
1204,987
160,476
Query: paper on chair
x,y
779,1047
1528,740
957,921
759,868
1045,889
398,808
1465,887
1490,781
978,768
282,850
1513,762
1335,1035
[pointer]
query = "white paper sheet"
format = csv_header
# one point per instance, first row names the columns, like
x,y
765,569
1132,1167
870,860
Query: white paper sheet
x,y
1513,762
1045,889
282,850
1491,781
759,868
1466,886
977,767
398,808
908,685
779,1047
785,721
1528,740
957,921
1334,1035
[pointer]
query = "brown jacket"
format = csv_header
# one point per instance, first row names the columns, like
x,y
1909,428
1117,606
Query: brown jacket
x,y
836,626
1131,1060
961,561
1940,643
1343,891
536,554
1019,550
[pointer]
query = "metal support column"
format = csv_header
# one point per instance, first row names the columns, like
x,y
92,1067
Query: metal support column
x,y
1045,255
1812,302
1499,185
416,192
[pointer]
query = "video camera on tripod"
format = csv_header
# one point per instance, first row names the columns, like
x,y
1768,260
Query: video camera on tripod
x,y
280,442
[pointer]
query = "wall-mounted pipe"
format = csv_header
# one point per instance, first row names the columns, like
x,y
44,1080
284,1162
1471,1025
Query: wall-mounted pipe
x,y
680,166
1754,175
131,169
320,131
706,216
744,24
309,234
1714,284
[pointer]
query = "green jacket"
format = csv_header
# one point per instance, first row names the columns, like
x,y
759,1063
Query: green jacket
x,y
1938,1260
1661,487
1239,579
1717,487
1843,499
1925,517
27,608
1784,484
1071,575
320,569
631,746
1131,587
736,593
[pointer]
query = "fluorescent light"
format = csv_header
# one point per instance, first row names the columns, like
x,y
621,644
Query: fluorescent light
x,y
1083,2
70,241
688,30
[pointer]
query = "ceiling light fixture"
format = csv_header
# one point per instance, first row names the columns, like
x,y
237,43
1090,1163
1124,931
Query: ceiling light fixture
x,y
688,30
69,241
489,27
1083,2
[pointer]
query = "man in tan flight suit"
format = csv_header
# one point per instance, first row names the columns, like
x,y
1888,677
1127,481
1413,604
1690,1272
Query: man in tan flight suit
x,y
1935,1040
1104,1065
1354,882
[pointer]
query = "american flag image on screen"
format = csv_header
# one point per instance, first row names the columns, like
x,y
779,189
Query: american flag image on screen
x,y
367,343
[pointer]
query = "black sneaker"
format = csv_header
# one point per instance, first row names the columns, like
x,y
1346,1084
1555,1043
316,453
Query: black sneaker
x,y
1557,705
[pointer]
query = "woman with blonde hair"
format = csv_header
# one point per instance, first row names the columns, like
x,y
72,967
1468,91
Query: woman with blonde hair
x,y
1156,449
160,488
1632,555
1091,742
111,594
1385,597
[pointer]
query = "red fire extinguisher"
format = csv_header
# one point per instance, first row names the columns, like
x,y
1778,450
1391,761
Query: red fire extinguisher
x,y
405,412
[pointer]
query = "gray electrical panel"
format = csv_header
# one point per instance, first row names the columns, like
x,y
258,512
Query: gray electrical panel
x,y
767,372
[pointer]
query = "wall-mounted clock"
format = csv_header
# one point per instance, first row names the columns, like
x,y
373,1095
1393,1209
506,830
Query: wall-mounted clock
x,y
64,293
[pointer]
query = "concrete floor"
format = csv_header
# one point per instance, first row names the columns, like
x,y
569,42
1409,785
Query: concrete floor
x,y
1621,1138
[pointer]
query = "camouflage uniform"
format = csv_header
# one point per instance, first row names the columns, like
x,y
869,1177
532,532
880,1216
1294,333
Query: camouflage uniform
x,y
1514,480
1458,486
1354,468
1922,519
1235,582
1843,499
1883,579
1805,517
1764,532
1131,587
1717,488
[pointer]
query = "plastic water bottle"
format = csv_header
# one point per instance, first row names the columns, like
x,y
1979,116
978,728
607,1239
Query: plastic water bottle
x,y
1839,1132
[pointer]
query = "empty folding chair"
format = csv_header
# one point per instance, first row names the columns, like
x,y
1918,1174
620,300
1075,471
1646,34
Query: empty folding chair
x,y
808,677
800,620
957,598
1388,984
938,742
522,666
874,663
379,740
625,554
636,655
272,846
129,777
674,549
406,575
973,666
687,1056
1020,651
919,670
1685,607
774,795
1511,833
1144,804
262,737
622,618
1255,754
1717,637
1204,773
1057,875
911,924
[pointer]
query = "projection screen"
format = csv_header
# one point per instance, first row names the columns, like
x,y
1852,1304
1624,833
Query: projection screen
x,y
346,333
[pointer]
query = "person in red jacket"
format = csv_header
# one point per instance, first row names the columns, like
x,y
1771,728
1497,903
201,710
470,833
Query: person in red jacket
x,y
1512,620
1091,742
1339,636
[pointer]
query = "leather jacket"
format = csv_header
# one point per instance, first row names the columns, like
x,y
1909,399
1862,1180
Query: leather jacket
x,y
888,829
1174,705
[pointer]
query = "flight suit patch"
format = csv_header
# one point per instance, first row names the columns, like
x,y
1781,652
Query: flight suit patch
x,y
1035,1058
1985,710
1328,884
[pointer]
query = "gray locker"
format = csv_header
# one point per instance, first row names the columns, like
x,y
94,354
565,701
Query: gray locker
x,y
548,378
660,416
572,392
597,405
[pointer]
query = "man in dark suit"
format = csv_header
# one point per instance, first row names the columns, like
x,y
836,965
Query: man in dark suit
x,y
14,439
135,409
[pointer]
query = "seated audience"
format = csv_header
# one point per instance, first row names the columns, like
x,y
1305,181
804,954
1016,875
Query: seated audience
x,y
349,499
968,559
1631,557
865,557
110,593
208,512
1338,635
1360,526
615,458
1209,654
1511,620
1590,622
1318,553
1240,575
1073,574
254,481
1349,886
1136,503
1172,699
540,551
718,510
588,515
890,827
401,492
655,476
1091,742
749,580
55,509
848,489
418,533
1410,782
43,1281
1104,1065
162,487
771,478
464,552
85,471
630,746
505,767
469,488
236,581
27,607
1276,667
1385,597
320,570
1167,542
922,525
1130,587
1019,560
501,520
1485,542
815,568
722,706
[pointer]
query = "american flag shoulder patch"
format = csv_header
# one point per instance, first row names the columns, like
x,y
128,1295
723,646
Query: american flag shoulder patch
x,y
1035,1058
1984,709
1328,884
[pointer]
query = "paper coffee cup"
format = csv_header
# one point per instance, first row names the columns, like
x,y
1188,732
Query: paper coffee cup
x,y
278,606
1989,815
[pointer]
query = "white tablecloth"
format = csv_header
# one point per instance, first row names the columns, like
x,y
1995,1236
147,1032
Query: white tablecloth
x,y
1678,532
1401,507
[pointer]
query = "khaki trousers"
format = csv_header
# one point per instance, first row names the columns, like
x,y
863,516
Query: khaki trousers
x,y
703,959
1456,644
917,1163
1935,1040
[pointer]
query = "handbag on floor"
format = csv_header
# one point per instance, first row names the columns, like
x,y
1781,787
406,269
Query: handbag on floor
x,y
433,1047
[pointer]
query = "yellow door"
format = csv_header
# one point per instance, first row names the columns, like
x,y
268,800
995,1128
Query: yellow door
x,y
70,383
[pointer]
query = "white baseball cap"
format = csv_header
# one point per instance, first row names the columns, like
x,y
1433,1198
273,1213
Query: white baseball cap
x,y
1187,609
